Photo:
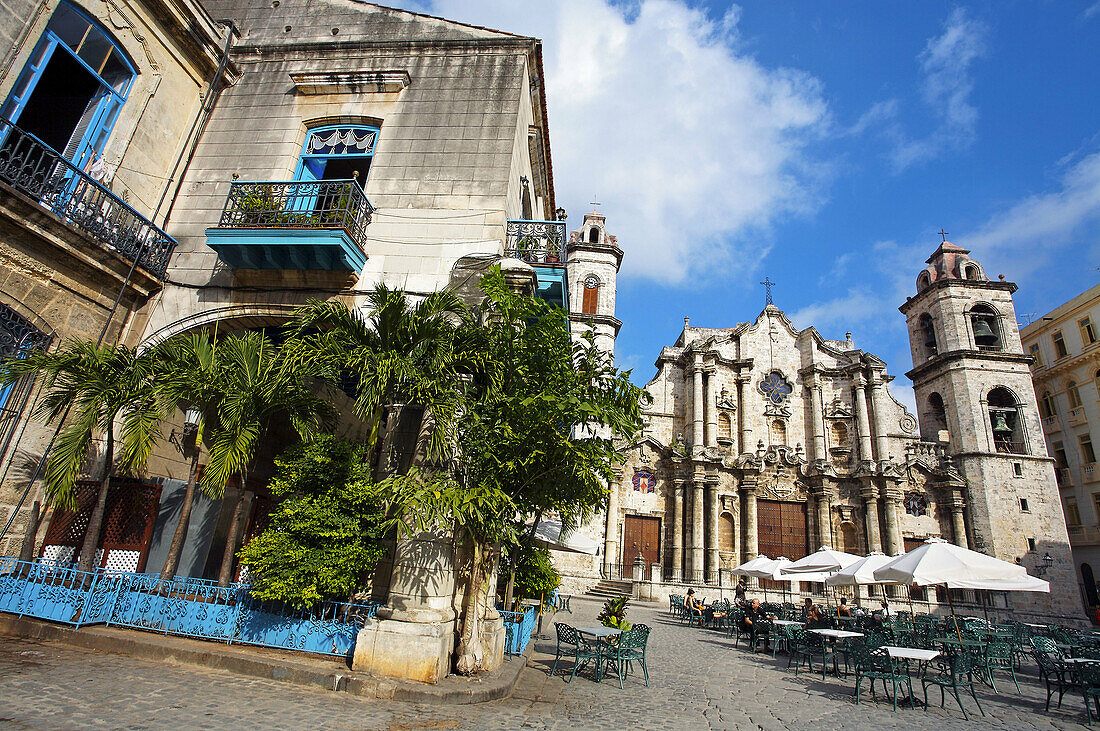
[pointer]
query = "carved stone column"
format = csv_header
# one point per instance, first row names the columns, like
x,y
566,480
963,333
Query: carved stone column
x,y
819,417
677,567
712,532
891,504
878,401
823,503
611,534
743,443
958,522
697,531
862,422
697,403
712,407
748,527
870,508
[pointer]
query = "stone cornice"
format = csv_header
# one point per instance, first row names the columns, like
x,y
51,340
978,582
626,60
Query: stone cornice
x,y
597,248
911,302
943,360
609,320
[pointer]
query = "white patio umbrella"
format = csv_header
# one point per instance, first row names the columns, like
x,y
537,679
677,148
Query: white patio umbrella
x,y
549,532
763,567
822,561
862,573
938,562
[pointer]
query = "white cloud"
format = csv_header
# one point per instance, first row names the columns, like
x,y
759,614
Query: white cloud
x,y
1023,237
691,144
1091,11
947,84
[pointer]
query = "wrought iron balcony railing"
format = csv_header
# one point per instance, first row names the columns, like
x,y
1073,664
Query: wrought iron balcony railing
x,y
536,242
298,204
40,172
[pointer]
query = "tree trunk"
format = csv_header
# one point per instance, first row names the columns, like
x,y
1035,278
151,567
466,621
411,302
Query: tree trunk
x,y
172,562
225,573
95,520
30,537
471,652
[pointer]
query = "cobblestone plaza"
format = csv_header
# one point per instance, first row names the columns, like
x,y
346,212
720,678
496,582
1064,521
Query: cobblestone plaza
x,y
698,681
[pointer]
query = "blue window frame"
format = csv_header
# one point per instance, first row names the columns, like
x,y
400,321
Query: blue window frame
x,y
72,87
338,152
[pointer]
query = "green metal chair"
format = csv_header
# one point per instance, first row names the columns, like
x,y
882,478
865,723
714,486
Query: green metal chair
x,y
1045,644
783,638
876,664
998,656
629,647
807,646
951,671
1088,674
1054,673
567,645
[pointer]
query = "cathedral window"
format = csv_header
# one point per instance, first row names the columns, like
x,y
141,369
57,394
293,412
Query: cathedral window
x,y
916,504
972,272
594,235
1060,350
725,427
645,481
1073,394
1088,332
591,294
1004,419
986,325
928,330
779,432
840,434
923,281
726,533
776,387
938,413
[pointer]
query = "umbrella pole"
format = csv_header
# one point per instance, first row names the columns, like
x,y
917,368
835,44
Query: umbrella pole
x,y
955,619
909,595
982,596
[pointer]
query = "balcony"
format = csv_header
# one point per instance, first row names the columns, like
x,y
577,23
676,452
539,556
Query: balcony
x,y
542,245
1006,446
318,225
42,174
1063,476
1084,535
539,243
1089,473
1077,416
1051,424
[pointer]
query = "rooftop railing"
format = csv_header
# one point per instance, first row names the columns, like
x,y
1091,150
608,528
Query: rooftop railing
x,y
536,242
42,173
299,204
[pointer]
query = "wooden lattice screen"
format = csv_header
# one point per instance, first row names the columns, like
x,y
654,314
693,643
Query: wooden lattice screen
x,y
128,522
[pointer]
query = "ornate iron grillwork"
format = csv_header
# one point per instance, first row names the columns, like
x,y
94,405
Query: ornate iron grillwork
x,y
37,170
536,242
318,204
18,335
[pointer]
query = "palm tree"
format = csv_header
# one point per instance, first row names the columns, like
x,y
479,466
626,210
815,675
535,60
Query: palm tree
x,y
395,354
103,388
254,385
187,370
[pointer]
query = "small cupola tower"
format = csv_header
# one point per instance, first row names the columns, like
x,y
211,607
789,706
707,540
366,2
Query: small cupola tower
x,y
592,267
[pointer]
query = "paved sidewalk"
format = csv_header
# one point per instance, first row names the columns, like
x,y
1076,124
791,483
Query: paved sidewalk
x,y
698,681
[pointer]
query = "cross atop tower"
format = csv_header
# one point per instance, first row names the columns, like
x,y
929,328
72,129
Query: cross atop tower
x,y
943,233
768,284
595,204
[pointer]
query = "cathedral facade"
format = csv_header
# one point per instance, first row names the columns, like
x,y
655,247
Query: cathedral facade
x,y
766,439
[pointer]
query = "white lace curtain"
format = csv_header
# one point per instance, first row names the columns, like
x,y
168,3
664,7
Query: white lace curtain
x,y
346,141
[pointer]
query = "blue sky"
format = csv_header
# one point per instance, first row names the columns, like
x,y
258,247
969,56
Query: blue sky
x,y
821,144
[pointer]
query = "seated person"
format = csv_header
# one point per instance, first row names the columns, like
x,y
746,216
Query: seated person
x,y
694,607
883,613
843,610
753,614
812,615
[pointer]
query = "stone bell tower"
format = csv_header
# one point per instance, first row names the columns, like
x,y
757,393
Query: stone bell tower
x,y
592,266
975,398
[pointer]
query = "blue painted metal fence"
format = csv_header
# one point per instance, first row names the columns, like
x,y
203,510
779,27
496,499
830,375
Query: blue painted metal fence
x,y
518,628
186,607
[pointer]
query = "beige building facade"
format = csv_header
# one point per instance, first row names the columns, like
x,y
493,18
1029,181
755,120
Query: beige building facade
x,y
1065,347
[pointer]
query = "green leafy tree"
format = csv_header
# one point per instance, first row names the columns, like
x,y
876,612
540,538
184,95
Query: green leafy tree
x,y
536,577
100,391
325,534
255,387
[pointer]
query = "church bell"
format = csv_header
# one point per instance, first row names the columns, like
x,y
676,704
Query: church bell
x,y
983,333
1000,425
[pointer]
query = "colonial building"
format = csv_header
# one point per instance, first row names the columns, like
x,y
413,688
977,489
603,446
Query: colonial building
x,y
348,144
766,439
1065,347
